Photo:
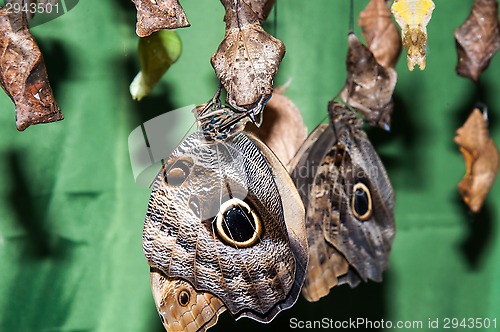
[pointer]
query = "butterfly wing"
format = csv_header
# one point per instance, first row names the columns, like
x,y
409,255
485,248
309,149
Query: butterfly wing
x,y
216,220
342,247
364,198
326,263
294,213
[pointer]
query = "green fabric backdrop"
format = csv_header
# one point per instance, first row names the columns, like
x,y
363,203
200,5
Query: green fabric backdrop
x,y
71,215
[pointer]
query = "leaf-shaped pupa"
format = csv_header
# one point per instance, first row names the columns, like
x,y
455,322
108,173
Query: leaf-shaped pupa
x,y
413,17
154,15
283,129
369,86
381,33
477,39
481,160
247,58
157,52
261,7
23,75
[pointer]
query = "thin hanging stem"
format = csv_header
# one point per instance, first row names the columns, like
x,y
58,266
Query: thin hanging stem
x,y
275,23
351,16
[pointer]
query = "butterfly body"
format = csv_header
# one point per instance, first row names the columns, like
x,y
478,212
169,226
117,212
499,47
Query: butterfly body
x,y
349,205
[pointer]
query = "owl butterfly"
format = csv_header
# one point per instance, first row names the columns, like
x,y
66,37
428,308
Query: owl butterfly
x,y
224,227
478,39
349,205
481,160
247,59
155,15
413,17
23,74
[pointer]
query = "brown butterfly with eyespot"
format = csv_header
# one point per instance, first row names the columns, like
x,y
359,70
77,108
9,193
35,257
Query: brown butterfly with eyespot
x,y
349,204
224,227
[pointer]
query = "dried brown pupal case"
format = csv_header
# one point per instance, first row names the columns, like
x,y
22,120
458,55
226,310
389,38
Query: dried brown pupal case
x,y
154,15
481,160
181,307
280,118
247,58
369,85
477,39
23,75
349,204
381,33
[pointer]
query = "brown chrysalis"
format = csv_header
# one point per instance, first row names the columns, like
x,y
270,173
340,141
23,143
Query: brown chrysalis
x,y
247,58
381,33
369,86
477,39
154,15
23,75
481,160
281,117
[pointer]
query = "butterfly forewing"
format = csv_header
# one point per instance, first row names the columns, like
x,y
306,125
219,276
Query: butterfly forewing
x,y
216,220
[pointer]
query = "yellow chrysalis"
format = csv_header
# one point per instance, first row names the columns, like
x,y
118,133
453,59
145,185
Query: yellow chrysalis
x,y
413,17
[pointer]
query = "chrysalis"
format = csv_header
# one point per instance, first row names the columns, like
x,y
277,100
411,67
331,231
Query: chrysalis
x,y
23,75
381,33
247,59
413,17
154,15
157,52
478,38
369,86
481,160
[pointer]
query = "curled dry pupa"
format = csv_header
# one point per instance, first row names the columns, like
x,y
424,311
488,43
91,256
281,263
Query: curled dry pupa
x,y
23,75
381,33
282,129
477,39
369,86
154,15
481,160
157,52
247,59
413,17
